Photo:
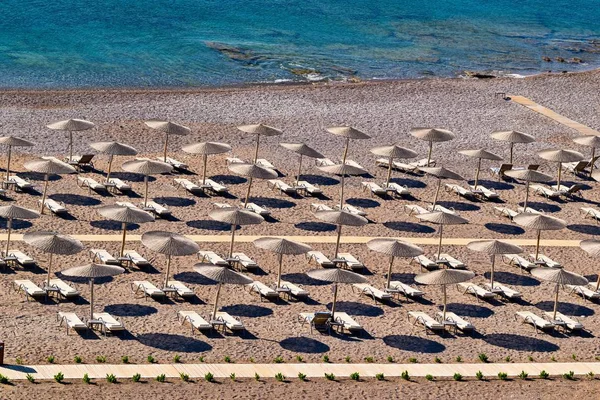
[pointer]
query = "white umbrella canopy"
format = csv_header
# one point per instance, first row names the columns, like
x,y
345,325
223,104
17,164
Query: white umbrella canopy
x,y
442,218
125,215
480,154
252,171
146,167
281,246
113,149
560,156
592,141
340,218
335,276
71,125
235,216
432,135
259,130
343,170
444,277
349,133
10,142
561,277
492,248
301,149
528,175
392,152
512,137
11,212
441,173
206,149
48,167
168,128
394,248
592,247
539,222
221,275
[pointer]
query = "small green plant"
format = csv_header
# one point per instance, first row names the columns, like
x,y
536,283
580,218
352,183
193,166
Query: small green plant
x,y
355,376
278,360
379,377
329,377
86,379
227,359
530,358
437,360
590,375
569,376
507,358
18,361
176,358
59,377
30,378
208,377
299,359
256,377
301,376
574,356
77,359
50,359
161,378
479,375
390,359
429,377
4,380
279,377
252,360
483,357
201,359
369,359
111,378
125,359
232,376
544,374
151,359
101,359
459,359
325,358
553,359
502,375
348,359
457,377
184,377
136,377
413,360
523,375
405,376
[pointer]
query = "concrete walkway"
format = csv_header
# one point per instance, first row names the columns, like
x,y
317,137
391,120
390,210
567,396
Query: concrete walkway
x,y
223,371
524,101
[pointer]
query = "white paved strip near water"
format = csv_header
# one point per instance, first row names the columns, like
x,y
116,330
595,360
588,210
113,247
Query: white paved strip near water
x,y
198,371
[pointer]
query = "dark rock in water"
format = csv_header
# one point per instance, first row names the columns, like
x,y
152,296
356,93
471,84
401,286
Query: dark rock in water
x,y
560,59
303,71
479,75
576,60
235,53
547,59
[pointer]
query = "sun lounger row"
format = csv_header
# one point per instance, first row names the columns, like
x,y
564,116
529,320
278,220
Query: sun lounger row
x,y
393,189
322,321
209,185
31,290
404,167
147,289
547,322
344,259
580,167
346,207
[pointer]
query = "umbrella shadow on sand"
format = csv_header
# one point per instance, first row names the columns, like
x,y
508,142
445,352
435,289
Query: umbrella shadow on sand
x,y
504,229
113,225
16,224
247,310
512,279
314,226
271,202
409,183
320,180
303,279
131,177
229,179
210,225
193,278
177,343
545,207
303,344
576,310
413,344
585,229
519,342
35,176
355,308
405,226
459,205
363,203
494,185
175,201
130,310
469,310
75,199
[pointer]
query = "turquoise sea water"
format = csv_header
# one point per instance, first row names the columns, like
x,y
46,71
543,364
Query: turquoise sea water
x,y
178,43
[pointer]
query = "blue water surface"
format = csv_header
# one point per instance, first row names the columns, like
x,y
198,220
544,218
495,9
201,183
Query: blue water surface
x,y
184,43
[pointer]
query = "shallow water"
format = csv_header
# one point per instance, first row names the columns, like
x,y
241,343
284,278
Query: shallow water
x,y
121,43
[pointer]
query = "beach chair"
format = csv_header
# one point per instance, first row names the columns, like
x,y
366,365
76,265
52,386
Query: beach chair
x,y
575,190
81,161
158,209
373,188
547,192
244,260
486,193
457,321
529,210
383,162
503,290
320,321
28,288
230,322
91,184
425,262
452,262
135,258
538,323
323,162
518,261
263,290
70,320
212,257
187,185
397,189
406,290
222,205
216,187
423,163
55,207
234,160
590,212
403,167
499,171
22,258
263,162
505,212
583,291
255,208
181,290
429,324
545,260
21,183
278,184
320,207
351,261
351,209
475,290
374,293
459,190
319,258
309,188
346,322
178,165
103,256
64,289
441,208
414,209
194,319
127,204
293,289
110,324
120,185
570,323
146,289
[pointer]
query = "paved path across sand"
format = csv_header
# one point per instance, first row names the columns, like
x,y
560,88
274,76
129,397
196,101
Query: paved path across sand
x,y
524,101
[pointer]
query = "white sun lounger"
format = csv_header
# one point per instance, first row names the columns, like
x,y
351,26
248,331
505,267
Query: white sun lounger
x,y
21,183
373,292
187,185
158,209
110,323
570,191
352,210
127,204
590,212
347,322
174,163
374,189
399,190
459,190
70,320
182,290
460,322
64,288
22,258
503,290
234,160
103,256
414,209
120,185
294,290
423,319
216,187
246,261
28,288
351,261
529,210
519,261
406,290
212,257
309,188
146,289
255,208
319,258
231,323
320,207
323,162
222,205
90,183
570,322
546,192
425,262
278,184
536,321
505,212
385,162
499,171
584,292
441,208
548,262
263,162
54,206
423,163
452,262
263,290
194,319
477,291
487,193
136,258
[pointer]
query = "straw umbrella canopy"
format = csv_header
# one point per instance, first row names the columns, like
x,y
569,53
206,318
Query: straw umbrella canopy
x,y
125,215
71,125
303,150
206,149
539,222
492,248
528,175
336,276
280,247
442,218
252,171
340,218
235,216
592,247
512,137
394,248
10,142
560,156
444,277
432,135
259,130
349,133
480,154
53,243
113,149
48,167
392,152
441,173
168,128
561,277
343,170
92,271
170,244
146,167
592,141
221,275
11,212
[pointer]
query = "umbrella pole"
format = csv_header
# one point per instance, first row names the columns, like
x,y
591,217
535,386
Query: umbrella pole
x,y
145,191
8,163
537,246
9,227
232,240
511,152
248,192
214,314
49,269
591,166
559,173
44,194
91,299
389,174
445,302
440,243
477,173
342,192
168,271
337,241
70,146
346,150
123,240
165,148
110,160
205,157
256,149
598,283
279,272
389,276
555,303
526,196
437,192
299,170
492,273
429,154
335,290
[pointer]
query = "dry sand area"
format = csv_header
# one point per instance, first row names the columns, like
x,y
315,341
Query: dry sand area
x,y
386,111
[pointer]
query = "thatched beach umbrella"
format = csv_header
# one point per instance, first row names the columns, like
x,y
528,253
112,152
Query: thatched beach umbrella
x,y
432,135
442,218
492,248
592,141
93,271
303,150
512,137
251,171
539,222
125,215
280,247
336,276
444,277
206,149
340,218
113,149
221,275
528,175
349,133
592,247
170,244
480,154
394,248
259,130
53,243
392,152
343,170
234,217
146,167
71,125
561,277
560,156
441,173
10,142
11,212
168,128
48,167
